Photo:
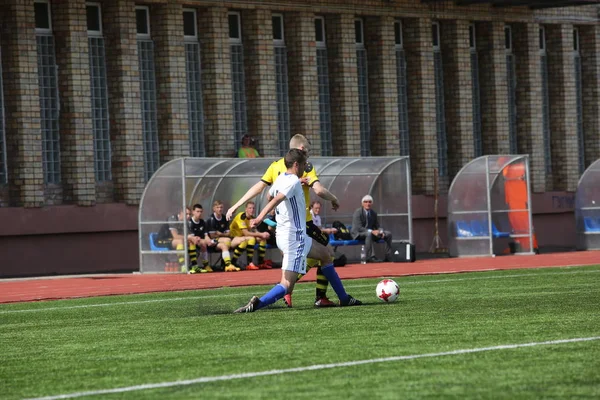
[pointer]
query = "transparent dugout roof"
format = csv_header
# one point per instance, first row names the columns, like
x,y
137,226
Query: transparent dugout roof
x,y
587,208
187,181
494,189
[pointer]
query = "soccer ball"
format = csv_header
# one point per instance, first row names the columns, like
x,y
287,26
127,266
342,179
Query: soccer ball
x,y
387,290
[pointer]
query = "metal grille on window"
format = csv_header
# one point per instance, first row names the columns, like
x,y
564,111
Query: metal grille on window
x,y
3,173
283,110
579,101
440,112
512,103
477,139
240,122
193,67
363,103
148,103
546,114
49,108
324,102
100,119
402,102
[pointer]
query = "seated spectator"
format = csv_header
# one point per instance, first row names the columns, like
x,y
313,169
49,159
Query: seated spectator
x,y
365,226
315,211
171,234
198,236
248,150
239,227
218,228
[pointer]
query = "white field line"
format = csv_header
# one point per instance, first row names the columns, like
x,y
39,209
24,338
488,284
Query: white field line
x,y
350,286
308,368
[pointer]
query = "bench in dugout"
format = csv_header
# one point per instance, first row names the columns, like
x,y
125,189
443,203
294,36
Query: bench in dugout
x,y
592,224
477,228
155,246
353,242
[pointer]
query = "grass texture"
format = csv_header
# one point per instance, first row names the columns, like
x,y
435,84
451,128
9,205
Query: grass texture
x,y
72,346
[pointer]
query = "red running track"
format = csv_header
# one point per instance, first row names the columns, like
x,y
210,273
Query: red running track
x,y
68,287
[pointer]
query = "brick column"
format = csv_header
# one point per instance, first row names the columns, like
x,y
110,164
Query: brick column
x,y
494,89
171,85
383,86
76,134
458,94
589,48
303,81
22,104
343,84
259,63
124,100
563,106
529,101
421,103
216,82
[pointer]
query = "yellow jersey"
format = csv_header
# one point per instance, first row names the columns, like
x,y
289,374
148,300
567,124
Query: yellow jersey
x,y
278,167
238,223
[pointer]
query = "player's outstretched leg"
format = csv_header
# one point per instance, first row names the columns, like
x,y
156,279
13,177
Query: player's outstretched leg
x,y
320,252
288,279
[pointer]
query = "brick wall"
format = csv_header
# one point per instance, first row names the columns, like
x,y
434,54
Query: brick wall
x,y
167,33
76,136
19,59
383,86
22,105
563,112
303,84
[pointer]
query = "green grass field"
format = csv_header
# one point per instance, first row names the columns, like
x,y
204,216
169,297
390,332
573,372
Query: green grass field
x,y
447,327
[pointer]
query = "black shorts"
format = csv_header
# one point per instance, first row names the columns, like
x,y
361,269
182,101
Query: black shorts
x,y
315,233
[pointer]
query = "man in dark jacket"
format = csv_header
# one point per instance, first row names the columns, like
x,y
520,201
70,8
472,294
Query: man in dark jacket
x,y
365,226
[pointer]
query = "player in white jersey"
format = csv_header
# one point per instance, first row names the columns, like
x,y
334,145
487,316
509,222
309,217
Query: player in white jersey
x,y
290,215
291,236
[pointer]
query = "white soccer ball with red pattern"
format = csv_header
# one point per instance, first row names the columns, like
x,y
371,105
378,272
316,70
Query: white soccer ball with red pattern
x,y
387,290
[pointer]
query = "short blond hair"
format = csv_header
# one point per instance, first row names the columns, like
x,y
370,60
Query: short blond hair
x,y
297,141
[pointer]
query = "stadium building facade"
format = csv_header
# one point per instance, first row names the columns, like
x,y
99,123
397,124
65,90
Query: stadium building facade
x,y
95,96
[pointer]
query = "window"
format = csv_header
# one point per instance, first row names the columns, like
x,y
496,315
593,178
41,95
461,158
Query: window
x,y
238,79
402,90
189,24
48,89
235,28
440,109
476,96
545,101
193,70
142,19
363,89
508,38
99,94
147,92
43,22
323,82
511,78
3,172
579,101
281,84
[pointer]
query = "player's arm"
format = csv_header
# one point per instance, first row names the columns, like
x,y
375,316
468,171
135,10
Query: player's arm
x,y
325,194
271,205
250,194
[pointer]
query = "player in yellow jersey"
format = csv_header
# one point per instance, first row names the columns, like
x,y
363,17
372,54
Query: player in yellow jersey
x,y
309,180
240,227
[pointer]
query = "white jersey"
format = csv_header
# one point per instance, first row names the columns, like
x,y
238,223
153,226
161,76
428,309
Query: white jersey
x,y
290,213
291,223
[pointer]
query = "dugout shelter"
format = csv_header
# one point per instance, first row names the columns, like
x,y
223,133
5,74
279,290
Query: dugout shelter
x,y
489,208
186,181
587,208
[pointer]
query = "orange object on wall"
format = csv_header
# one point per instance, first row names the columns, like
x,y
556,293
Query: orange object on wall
x,y
515,195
